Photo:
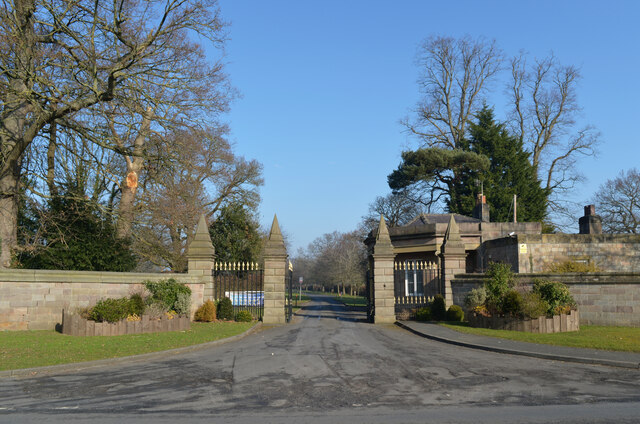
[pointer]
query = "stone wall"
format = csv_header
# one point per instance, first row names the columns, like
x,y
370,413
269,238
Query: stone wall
x,y
602,298
34,299
533,253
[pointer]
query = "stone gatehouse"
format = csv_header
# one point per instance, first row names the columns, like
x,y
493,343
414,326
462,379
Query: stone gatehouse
x,y
455,245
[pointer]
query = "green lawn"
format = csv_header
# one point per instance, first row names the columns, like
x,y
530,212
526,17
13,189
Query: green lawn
x,y
625,339
297,298
26,349
352,300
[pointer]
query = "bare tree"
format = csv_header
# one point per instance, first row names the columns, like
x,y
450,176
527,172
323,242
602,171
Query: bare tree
x,y
398,209
60,58
545,108
198,173
455,74
335,259
618,203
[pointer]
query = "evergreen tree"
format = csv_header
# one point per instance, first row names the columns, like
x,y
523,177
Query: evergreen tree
x,y
510,172
77,236
235,235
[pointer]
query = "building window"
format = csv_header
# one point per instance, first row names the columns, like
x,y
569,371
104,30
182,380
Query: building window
x,y
413,279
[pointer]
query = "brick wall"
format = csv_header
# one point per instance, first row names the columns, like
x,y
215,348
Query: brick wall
x,y
34,299
602,298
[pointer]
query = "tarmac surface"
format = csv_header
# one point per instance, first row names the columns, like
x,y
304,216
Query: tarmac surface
x,y
329,366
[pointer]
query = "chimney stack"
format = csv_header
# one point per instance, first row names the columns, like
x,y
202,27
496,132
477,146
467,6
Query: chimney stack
x,y
481,211
590,223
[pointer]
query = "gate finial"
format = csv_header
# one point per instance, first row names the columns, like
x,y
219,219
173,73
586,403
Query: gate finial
x,y
383,240
383,231
201,246
274,245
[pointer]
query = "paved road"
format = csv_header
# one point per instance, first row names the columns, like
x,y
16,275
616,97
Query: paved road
x,y
330,366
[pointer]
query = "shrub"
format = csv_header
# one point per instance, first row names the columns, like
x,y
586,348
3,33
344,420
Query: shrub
x,y
512,303
225,309
572,266
476,297
84,313
533,306
455,313
166,291
244,316
403,315
438,308
156,310
136,304
206,312
499,280
556,294
183,304
110,310
423,314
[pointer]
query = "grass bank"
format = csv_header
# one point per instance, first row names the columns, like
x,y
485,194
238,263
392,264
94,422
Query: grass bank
x,y
625,339
27,349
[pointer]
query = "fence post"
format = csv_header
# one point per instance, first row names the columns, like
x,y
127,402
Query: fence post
x,y
275,265
201,257
453,259
383,275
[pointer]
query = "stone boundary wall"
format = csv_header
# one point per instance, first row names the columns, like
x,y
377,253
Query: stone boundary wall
x,y
542,325
34,299
603,298
533,253
75,325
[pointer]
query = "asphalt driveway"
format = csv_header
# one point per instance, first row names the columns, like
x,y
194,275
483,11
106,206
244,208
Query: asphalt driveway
x,y
330,366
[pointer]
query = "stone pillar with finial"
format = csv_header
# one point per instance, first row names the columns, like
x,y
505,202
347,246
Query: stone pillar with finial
x,y
201,257
275,265
453,257
383,257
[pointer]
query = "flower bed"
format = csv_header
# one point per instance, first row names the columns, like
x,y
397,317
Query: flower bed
x,y
543,325
75,325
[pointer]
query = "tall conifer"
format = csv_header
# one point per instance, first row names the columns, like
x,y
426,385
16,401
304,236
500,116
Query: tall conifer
x,y
510,173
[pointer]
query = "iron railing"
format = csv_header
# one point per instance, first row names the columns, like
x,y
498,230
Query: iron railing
x,y
415,280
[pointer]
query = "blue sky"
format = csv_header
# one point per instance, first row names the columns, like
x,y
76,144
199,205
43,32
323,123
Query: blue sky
x,y
325,83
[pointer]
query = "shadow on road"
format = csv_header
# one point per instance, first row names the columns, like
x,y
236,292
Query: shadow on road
x,y
323,306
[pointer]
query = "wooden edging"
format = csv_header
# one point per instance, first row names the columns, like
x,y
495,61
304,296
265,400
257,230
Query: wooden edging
x,y
75,325
542,325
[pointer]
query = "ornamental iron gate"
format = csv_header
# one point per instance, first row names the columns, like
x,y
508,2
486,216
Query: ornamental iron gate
x,y
243,283
288,296
370,294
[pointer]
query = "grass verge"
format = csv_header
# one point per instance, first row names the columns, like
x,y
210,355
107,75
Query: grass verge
x,y
625,339
299,301
27,349
349,300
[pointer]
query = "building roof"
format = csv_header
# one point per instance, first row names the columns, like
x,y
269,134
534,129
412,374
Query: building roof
x,y
440,218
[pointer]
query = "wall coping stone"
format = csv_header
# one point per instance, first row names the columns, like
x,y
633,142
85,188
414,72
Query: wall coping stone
x,y
56,276
566,278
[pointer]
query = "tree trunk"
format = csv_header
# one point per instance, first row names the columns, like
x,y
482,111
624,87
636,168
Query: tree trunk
x,y
126,213
9,214
125,207
51,158
13,139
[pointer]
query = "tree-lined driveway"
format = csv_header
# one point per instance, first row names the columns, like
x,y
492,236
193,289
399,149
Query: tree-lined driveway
x,y
330,366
